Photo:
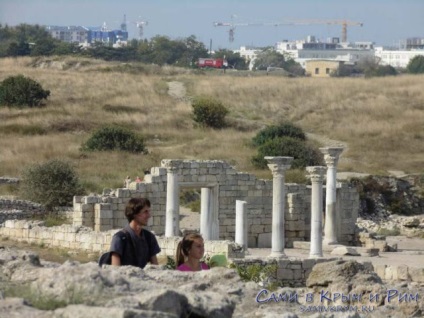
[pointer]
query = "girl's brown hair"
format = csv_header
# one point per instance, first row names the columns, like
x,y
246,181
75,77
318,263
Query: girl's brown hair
x,y
184,246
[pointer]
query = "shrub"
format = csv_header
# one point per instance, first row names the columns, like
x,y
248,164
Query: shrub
x,y
303,154
209,112
53,183
416,65
283,130
115,138
21,91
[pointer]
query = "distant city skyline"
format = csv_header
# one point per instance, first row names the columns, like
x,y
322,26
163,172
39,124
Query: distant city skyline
x,y
385,22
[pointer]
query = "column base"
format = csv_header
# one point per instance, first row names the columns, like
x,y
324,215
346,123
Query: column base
x,y
316,256
277,255
330,242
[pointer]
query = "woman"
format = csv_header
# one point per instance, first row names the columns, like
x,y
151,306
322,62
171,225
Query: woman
x,y
189,252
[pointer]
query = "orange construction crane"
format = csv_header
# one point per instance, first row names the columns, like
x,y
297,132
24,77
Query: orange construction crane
x,y
344,24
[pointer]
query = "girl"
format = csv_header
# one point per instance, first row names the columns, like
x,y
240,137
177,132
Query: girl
x,y
189,252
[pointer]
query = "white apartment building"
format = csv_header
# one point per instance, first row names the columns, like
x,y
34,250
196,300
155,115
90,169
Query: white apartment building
x,y
396,58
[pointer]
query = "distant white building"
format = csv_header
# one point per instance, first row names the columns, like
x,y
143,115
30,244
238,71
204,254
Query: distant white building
x,y
248,54
302,51
396,58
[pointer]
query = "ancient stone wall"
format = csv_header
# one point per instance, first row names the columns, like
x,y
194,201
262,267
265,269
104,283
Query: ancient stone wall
x,y
105,212
85,239
18,209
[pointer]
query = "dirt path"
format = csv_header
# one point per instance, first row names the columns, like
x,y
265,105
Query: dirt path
x,y
177,90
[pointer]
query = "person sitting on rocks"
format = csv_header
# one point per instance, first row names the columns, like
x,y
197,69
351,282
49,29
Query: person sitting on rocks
x,y
189,252
137,246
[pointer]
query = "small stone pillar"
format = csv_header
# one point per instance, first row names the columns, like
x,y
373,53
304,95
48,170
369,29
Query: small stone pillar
x,y
317,176
172,226
206,214
241,223
278,166
331,157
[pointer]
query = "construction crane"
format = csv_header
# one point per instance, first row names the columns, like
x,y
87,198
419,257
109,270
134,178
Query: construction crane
x,y
234,25
140,25
344,24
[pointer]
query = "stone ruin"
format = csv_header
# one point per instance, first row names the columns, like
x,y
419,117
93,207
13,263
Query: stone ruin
x,y
221,187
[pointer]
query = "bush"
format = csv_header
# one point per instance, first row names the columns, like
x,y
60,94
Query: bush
x,y
282,130
380,70
21,91
115,138
209,112
51,184
416,65
303,154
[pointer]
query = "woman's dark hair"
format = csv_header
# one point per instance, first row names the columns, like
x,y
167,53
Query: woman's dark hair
x,y
184,246
134,206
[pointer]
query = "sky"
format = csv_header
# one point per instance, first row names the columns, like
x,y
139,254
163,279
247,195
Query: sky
x,y
385,22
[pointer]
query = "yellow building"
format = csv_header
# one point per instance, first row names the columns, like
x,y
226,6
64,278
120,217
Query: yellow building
x,y
322,68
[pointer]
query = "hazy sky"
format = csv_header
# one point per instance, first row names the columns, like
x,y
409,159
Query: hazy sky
x,y
385,22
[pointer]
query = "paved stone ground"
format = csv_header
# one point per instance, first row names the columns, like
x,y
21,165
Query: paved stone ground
x,y
410,250
410,253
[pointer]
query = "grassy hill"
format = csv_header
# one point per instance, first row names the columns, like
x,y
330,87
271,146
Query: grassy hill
x,y
380,120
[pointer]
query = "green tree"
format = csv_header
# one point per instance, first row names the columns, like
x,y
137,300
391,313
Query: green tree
x,y
303,154
380,70
416,65
234,59
53,183
269,58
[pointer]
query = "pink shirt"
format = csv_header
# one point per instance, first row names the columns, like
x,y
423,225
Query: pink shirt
x,y
186,268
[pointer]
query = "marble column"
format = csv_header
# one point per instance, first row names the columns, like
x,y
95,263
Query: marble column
x,y
317,176
331,157
206,213
241,223
172,226
278,166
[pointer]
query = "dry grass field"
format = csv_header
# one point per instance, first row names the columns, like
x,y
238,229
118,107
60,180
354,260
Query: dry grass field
x,y
380,120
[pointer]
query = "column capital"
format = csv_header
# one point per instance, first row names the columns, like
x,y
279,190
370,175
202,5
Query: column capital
x,y
317,173
278,165
171,165
331,155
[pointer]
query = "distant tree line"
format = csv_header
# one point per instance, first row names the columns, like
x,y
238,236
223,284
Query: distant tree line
x,y
35,40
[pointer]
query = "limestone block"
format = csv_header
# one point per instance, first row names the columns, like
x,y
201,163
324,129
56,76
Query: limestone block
x,y
402,272
308,263
252,241
381,245
255,228
58,236
416,274
90,200
86,207
297,274
286,274
295,226
390,273
77,199
264,240
345,250
123,193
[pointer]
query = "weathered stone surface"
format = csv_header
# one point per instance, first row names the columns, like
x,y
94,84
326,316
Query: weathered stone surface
x,y
345,250
156,292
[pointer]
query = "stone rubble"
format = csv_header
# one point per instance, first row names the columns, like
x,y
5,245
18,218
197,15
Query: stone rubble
x,y
90,291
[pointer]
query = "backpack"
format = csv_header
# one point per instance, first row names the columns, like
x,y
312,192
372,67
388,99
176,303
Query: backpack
x,y
106,258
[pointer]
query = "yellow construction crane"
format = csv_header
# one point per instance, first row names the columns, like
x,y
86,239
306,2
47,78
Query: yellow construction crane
x,y
344,24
